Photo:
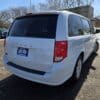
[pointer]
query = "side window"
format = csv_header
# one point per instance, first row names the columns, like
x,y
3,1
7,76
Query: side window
x,y
75,26
86,26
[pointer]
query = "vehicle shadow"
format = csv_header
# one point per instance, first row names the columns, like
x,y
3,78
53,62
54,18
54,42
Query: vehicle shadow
x,y
14,88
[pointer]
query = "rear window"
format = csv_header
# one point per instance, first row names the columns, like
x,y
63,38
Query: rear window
x,y
43,26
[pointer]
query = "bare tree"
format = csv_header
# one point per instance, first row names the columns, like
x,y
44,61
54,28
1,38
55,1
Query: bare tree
x,y
33,8
42,7
71,3
59,4
89,2
16,12
63,4
51,5
7,16
54,4
4,15
4,19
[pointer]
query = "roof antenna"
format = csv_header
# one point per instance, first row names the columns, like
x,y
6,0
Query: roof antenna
x,y
30,7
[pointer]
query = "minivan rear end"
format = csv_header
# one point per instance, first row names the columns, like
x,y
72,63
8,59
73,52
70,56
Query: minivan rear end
x,y
37,47
31,42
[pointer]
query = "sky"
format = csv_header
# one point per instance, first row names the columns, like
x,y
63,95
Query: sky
x,y
96,6
6,4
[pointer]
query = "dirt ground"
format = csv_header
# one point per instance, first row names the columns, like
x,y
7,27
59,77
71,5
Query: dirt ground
x,y
87,88
3,72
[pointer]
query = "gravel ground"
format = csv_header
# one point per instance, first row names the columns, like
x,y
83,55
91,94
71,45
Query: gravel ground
x,y
87,88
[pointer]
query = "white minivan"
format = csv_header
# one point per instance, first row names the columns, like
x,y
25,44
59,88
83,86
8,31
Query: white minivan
x,y
49,47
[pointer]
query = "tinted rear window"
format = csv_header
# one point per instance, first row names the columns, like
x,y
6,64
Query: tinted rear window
x,y
41,26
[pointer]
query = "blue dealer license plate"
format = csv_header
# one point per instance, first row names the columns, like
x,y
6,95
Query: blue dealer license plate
x,y
22,51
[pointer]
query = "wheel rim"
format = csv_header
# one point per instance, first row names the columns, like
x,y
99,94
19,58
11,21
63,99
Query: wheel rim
x,y
78,69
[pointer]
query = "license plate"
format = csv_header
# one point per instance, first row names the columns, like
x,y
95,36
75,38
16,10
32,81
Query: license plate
x,y
22,51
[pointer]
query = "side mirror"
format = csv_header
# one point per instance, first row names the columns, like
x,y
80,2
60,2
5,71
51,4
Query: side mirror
x,y
97,31
4,34
94,31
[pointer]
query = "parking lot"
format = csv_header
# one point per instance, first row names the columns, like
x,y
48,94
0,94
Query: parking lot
x,y
87,88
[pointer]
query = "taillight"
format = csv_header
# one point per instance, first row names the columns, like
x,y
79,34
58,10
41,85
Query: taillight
x,y
60,50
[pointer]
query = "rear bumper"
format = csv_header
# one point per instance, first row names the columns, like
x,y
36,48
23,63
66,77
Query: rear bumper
x,y
58,75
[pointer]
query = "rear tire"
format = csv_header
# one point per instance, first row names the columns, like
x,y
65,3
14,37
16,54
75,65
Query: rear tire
x,y
96,47
78,69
